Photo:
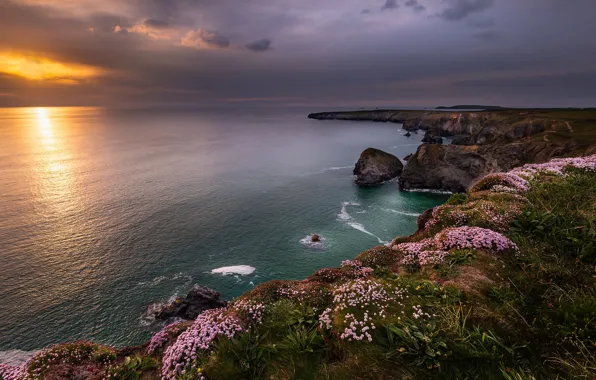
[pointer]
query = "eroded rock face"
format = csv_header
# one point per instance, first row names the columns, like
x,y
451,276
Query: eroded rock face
x,y
199,299
431,138
455,167
375,167
444,167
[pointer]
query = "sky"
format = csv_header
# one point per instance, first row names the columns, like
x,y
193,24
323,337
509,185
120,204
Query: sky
x,y
323,53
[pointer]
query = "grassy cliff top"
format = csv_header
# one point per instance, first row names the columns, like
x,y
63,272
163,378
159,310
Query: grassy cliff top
x,y
497,283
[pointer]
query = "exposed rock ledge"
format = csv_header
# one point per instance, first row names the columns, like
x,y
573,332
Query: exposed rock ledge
x,y
197,300
454,168
375,167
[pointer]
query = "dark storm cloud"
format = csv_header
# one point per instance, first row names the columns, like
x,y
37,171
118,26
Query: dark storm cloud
x,y
390,4
487,35
326,53
259,45
417,7
158,24
460,9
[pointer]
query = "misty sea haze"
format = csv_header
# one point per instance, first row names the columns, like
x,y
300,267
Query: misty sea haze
x,y
103,212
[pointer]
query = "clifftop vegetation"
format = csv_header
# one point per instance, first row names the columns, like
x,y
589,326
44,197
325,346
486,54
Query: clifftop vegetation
x,y
498,283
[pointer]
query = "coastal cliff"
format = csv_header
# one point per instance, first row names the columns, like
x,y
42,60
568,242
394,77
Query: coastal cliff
x,y
496,283
483,142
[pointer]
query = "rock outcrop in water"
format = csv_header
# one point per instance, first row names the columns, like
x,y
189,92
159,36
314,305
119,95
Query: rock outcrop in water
x,y
199,299
375,167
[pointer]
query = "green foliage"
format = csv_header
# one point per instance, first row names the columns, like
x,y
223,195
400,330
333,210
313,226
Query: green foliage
x,y
132,368
421,342
246,356
460,257
303,316
457,199
302,340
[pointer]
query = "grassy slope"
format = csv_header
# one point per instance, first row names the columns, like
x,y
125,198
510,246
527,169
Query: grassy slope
x,y
484,314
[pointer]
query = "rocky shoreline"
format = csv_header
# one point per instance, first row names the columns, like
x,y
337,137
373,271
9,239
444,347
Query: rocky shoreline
x,y
483,142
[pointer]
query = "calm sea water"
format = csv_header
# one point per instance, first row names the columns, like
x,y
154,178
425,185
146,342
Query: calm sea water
x,y
104,212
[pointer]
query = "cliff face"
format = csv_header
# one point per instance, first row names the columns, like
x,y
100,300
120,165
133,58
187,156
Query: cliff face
x,y
455,167
483,142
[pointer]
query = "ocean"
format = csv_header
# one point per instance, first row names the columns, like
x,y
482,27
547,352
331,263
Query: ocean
x,y
103,212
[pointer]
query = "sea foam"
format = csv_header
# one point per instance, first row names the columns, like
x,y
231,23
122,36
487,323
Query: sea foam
x,y
242,270
347,218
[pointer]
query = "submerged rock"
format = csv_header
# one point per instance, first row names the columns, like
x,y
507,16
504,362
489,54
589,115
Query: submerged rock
x,y
375,167
408,134
199,299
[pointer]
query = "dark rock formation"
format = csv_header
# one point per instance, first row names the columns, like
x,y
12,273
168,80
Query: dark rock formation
x,y
431,138
198,300
425,218
455,167
315,238
406,158
408,134
375,167
462,140
444,167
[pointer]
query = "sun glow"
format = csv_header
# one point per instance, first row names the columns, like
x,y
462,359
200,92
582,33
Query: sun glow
x,y
45,69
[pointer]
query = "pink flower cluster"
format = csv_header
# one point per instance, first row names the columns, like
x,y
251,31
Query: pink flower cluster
x,y
419,313
9,372
364,300
182,355
358,268
254,310
473,238
556,166
161,338
69,353
432,257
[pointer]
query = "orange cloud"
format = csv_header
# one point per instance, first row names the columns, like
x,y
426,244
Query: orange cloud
x,y
45,69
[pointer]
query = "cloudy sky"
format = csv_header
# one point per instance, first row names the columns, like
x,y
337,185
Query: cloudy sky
x,y
298,52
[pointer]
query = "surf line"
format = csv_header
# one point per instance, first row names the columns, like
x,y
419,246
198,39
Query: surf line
x,y
347,219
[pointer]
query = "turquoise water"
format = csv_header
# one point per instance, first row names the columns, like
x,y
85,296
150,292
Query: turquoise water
x,y
104,212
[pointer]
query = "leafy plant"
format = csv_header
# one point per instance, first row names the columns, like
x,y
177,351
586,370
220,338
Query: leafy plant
x,y
457,199
246,356
133,368
303,341
421,342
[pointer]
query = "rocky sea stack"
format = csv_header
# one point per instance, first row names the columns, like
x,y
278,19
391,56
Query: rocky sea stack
x,y
375,167
198,300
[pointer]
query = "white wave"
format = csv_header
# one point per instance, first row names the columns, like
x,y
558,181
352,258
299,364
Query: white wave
x,y
15,357
361,228
428,191
242,270
401,212
361,212
347,218
333,168
343,214
158,280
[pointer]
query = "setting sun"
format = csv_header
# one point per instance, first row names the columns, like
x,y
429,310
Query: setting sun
x,y
40,68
